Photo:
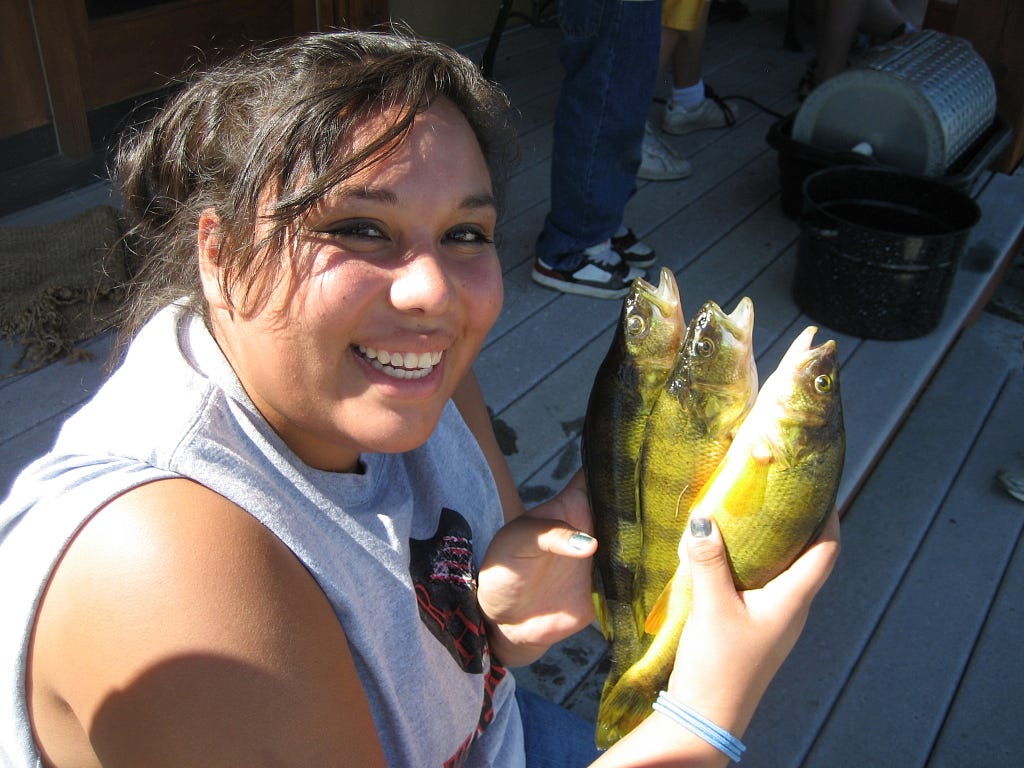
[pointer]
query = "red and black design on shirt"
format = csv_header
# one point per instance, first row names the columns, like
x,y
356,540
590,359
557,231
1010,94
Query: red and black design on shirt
x,y
494,677
445,581
444,578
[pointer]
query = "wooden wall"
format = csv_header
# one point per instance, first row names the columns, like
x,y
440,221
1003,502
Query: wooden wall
x,y
57,64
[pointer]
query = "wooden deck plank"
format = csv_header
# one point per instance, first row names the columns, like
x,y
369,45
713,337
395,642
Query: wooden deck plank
x,y
913,663
983,726
22,449
27,400
882,532
34,406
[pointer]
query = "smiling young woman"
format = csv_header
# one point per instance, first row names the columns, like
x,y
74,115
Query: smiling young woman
x,y
282,533
387,293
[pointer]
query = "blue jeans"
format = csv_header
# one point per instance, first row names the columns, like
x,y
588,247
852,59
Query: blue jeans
x,y
555,737
609,51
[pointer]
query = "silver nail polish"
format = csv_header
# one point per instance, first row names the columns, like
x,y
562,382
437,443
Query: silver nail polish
x,y
580,541
700,527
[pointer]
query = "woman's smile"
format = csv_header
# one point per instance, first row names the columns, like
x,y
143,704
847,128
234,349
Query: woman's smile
x,y
401,365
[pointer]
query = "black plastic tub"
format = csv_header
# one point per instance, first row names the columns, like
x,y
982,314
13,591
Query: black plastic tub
x,y
798,160
879,250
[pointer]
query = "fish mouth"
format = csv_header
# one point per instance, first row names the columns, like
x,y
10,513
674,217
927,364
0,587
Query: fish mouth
x,y
801,345
801,353
741,320
666,296
739,323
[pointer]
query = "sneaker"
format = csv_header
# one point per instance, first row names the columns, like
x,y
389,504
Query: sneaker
x,y
659,161
713,112
633,251
602,275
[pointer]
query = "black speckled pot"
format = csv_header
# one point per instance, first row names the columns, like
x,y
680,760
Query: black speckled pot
x,y
878,250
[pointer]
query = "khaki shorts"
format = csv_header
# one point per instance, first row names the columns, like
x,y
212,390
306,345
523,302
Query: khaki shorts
x,y
684,14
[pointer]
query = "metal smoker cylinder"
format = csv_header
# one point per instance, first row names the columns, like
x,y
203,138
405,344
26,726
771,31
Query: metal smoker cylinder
x,y
916,104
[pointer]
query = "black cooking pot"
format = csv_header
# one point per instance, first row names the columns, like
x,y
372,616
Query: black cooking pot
x,y
879,249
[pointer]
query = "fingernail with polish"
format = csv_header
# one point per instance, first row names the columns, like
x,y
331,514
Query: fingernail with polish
x,y
700,527
580,541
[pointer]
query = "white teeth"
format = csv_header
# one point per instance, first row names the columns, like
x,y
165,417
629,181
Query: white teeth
x,y
408,365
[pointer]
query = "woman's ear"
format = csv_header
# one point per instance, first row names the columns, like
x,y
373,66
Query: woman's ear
x,y
208,242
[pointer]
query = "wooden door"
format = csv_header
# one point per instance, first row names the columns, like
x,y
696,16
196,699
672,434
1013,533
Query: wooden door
x,y
61,59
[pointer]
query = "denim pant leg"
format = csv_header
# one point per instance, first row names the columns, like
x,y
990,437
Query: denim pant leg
x,y
555,737
609,52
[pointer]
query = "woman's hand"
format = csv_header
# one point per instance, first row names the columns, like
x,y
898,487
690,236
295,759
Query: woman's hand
x,y
733,642
535,583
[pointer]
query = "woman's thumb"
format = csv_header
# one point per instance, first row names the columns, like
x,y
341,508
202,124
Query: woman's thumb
x,y
556,537
705,550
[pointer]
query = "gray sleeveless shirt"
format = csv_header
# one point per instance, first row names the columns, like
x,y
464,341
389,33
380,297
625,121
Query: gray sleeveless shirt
x,y
395,549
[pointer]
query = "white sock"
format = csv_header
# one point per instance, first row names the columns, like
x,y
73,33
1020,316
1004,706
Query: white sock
x,y
690,96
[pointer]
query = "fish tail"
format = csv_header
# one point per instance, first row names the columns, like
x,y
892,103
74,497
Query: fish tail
x,y
626,648
624,704
629,700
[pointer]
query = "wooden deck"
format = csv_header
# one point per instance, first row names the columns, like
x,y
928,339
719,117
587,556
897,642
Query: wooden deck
x,y
911,653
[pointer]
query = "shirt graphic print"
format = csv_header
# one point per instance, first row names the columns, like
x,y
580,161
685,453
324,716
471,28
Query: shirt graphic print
x,y
444,578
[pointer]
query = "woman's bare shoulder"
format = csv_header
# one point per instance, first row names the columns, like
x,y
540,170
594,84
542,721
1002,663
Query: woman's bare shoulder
x,y
177,625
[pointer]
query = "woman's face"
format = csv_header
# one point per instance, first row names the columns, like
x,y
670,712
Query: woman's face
x,y
361,351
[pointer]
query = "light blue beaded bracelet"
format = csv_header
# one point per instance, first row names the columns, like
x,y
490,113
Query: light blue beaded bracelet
x,y
696,723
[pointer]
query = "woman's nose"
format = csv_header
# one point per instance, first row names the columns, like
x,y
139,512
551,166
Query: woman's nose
x,y
422,283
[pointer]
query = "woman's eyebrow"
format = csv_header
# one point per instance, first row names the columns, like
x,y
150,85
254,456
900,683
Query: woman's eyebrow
x,y
364,192
479,201
380,194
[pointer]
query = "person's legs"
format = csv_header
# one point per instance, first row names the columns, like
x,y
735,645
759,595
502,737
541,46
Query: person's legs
x,y
667,51
688,56
839,22
688,109
837,25
609,51
555,737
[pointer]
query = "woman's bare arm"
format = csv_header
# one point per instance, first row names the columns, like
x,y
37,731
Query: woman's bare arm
x,y
177,630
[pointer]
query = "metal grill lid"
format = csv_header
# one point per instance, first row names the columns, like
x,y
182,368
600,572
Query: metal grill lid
x,y
916,104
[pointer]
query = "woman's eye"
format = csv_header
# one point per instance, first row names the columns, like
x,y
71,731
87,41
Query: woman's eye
x,y
469,236
366,230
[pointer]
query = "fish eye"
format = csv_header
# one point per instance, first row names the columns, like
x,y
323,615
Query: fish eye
x,y
704,347
823,383
635,325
